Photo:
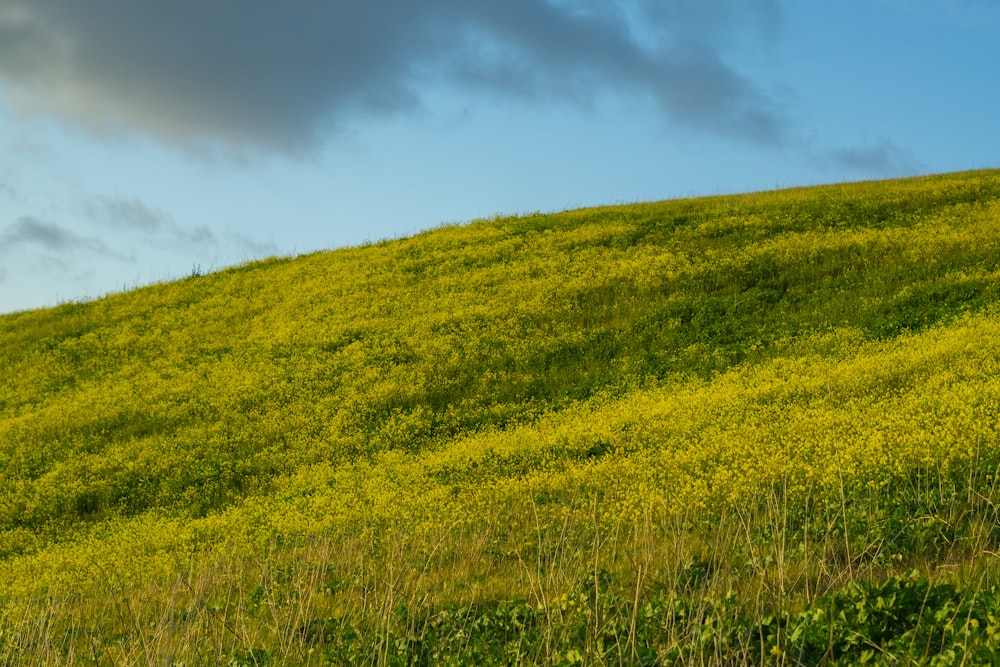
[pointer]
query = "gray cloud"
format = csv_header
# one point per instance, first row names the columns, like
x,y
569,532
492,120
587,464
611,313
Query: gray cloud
x,y
251,247
31,231
132,215
882,158
277,75
129,214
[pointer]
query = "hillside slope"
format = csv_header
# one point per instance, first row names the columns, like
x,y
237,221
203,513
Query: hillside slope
x,y
535,428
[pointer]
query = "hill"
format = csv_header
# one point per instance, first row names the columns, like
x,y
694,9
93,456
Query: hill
x,y
745,428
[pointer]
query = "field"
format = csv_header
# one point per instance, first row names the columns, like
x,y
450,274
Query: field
x,y
746,429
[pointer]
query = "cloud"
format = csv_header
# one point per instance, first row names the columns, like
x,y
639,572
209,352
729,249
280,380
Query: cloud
x,y
883,158
134,216
129,214
251,247
31,231
279,76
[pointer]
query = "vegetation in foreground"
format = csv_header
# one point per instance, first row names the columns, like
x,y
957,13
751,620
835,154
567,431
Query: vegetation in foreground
x,y
748,429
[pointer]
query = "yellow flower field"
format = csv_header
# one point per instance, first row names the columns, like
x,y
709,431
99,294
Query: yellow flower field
x,y
654,433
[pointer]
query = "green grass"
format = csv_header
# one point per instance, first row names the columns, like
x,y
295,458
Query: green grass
x,y
758,428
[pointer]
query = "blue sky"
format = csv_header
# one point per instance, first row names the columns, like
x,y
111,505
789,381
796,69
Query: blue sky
x,y
140,139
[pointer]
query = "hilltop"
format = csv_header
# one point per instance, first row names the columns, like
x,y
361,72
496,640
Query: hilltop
x,y
656,432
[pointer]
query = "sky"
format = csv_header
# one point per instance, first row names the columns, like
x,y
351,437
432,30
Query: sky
x,y
143,140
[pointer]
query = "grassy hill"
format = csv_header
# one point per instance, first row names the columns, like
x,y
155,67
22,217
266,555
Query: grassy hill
x,y
757,428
